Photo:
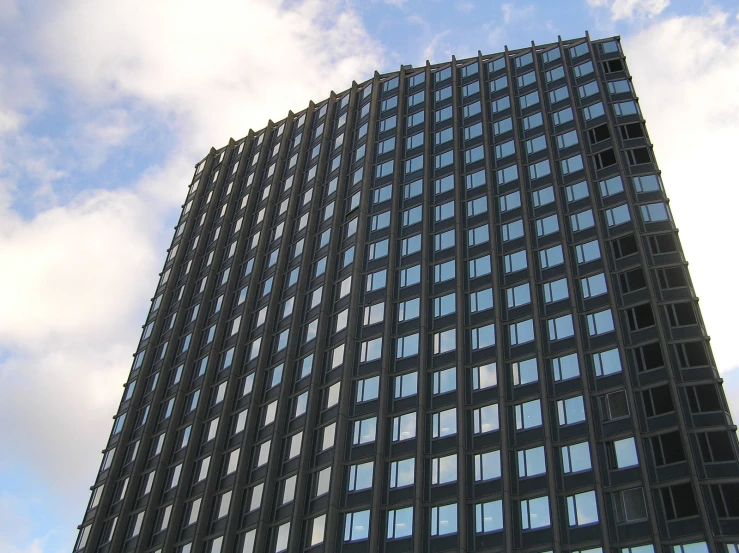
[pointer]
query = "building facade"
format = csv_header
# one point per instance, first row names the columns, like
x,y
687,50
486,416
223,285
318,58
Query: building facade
x,y
444,310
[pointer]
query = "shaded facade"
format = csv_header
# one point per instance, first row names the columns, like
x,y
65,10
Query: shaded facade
x,y
445,310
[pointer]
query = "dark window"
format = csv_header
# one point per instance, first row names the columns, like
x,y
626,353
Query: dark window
x,y
629,505
640,316
672,277
679,501
611,66
604,159
691,354
632,280
668,449
663,243
703,398
632,130
614,406
716,447
681,314
637,156
648,357
726,499
599,134
658,401
624,246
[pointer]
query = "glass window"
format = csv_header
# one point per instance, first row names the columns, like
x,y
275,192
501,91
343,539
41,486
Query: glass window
x,y
582,509
444,520
535,513
402,473
600,322
646,183
593,111
400,523
508,202
543,196
444,470
445,381
445,341
625,453
513,262
571,164
531,462
512,230
487,466
556,290
483,336
625,108
444,211
409,309
406,385
360,476
505,125
607,362
473,180
485,419
570,411
654,212
565,367
376,280
481,300
444,423
374,314
478,235
559,94
525,371
404,427
356,526
594,285
547,225
368,389
533,121
484,376
539,169
589,251
444,305
364,431
588,89
410,276
412,216
444,271
560,327
489,517
521,332
528,414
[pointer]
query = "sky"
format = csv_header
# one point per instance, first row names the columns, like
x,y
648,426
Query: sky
x,y
105,108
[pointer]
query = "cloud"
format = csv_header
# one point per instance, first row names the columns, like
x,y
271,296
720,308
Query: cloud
x,y
81,263
630,9
429,52
686,73
511,13
464,6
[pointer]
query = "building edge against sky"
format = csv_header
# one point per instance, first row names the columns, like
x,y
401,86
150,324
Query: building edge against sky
x,y
446,309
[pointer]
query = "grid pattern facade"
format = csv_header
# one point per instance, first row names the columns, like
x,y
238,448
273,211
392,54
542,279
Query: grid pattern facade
x,y
445,310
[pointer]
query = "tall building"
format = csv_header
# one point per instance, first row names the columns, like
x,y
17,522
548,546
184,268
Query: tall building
x,y
444,310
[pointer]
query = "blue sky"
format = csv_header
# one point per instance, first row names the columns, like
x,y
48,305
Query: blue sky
x,y
105,107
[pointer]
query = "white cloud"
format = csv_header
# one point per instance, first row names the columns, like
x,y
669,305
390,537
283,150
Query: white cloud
x,y
429,52
512,13
630,9
464,6
77,275
686,73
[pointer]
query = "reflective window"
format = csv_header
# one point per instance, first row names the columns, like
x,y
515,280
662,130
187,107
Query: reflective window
x,y
576,457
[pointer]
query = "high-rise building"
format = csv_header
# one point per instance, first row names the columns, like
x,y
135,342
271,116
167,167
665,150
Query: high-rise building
x,y
444,310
